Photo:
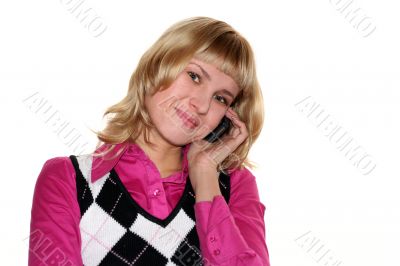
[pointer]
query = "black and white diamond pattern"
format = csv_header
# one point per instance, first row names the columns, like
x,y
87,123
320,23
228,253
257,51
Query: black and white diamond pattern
x,y
116,231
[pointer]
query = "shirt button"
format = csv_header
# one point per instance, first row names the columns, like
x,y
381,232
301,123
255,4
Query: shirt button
x,y
216,252
212,238
156,192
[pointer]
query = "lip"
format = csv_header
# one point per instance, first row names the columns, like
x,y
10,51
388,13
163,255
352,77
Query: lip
x,y
189,120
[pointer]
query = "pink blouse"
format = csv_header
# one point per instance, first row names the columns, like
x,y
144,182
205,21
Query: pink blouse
x,y
229,234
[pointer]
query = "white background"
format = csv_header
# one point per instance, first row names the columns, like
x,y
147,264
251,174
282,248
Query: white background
x,y
303,49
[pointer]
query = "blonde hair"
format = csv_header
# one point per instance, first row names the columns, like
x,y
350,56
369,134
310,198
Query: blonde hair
x,y
210,40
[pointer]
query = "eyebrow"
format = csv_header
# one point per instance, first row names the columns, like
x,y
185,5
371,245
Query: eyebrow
x,y
202,70
209,78
228,92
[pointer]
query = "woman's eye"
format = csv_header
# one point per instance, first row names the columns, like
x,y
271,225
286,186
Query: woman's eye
x,y
224,100
194,77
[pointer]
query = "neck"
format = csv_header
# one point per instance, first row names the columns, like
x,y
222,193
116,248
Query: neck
x,y
168,158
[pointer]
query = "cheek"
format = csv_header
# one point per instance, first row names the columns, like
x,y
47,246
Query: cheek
x,y
212,122
172,93
182,86
161,101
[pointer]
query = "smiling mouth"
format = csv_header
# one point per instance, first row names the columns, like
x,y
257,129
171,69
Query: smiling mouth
x,y
186,119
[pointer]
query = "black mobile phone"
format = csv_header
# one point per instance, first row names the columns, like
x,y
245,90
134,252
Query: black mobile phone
x,y
220,130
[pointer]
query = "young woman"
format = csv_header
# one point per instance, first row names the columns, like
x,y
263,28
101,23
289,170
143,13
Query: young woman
x,y
155,192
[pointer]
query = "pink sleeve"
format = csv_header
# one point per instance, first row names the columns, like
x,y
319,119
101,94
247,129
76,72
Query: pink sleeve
x,y
234,234
54,230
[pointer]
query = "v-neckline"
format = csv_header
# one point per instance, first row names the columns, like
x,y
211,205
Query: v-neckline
x,y
147,215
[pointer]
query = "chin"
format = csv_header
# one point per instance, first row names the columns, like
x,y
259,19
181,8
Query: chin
x,y
176,138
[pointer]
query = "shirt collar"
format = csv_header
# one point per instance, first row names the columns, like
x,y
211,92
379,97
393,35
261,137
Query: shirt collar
x,y
101,165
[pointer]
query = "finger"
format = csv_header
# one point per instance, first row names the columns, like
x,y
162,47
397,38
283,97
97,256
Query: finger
x,y
239,127
235,119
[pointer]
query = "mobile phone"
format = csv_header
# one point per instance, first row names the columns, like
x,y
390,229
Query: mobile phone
x,y
220,130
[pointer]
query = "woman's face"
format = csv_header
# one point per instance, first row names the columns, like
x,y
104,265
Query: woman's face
x,y
201,93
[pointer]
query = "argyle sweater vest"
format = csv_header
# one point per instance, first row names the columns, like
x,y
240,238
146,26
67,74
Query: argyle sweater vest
x,y
116,230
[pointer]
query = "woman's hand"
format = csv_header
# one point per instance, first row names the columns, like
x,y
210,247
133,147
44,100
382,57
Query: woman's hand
x,y
204,157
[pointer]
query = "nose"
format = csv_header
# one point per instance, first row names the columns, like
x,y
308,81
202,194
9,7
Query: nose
x,y
200,102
